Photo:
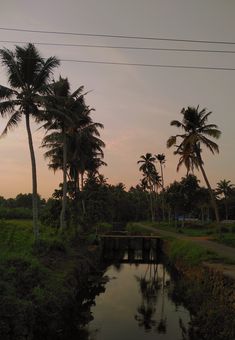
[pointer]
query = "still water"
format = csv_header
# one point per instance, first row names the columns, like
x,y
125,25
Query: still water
x,y
138,304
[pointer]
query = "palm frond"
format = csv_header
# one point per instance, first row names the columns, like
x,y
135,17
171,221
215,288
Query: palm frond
x,y
6,92
171,141
12,122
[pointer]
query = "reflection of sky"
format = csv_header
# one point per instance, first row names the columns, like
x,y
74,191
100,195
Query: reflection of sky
x,y
115,310
134,104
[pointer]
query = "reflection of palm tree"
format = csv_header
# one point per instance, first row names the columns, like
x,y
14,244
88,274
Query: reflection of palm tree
x,y
162,323
145,317
149,286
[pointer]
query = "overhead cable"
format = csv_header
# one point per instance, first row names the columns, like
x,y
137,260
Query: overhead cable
x,y
117,36
119,47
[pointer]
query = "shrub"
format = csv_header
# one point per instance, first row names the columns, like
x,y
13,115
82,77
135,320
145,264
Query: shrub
x,y
12,213
103,227
136,228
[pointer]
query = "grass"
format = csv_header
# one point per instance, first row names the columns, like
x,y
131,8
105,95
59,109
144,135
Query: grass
x,y
227,238
34,284
136,228
192,230
190,253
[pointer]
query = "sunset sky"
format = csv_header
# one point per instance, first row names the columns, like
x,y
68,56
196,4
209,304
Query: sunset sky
x,y
135,104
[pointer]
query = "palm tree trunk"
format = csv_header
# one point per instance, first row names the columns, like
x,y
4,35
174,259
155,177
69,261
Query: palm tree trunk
x,y
64,199
226,210
163,194
213,201
34,179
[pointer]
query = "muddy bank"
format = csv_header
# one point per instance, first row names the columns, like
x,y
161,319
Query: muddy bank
x,y
210,296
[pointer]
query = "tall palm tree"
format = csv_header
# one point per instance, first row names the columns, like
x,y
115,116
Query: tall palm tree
x,y
195,135
28,75
150,175
74,145
64,111
225,188
162,160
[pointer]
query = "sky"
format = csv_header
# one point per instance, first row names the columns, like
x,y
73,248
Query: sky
x,y
135,104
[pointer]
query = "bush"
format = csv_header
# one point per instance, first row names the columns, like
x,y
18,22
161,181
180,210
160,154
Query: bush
x,y
103,227
136,228
12,213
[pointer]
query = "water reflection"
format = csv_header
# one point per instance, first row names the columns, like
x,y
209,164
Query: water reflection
x,y
151,287
137,304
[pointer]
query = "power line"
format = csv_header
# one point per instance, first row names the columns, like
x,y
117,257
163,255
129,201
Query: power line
x,y
117,36
150,65
121,47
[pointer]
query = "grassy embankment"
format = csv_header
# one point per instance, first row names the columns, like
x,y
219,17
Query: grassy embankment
x,y
37,282
179,249
193,230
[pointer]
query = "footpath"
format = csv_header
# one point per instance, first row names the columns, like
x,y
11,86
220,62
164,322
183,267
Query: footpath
x,y
220,249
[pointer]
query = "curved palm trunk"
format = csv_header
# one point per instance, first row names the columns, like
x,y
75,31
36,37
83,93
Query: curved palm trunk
x,y
64,199
210,192
34,179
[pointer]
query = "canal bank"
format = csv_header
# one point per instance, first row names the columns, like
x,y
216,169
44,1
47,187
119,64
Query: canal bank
x,y
206,288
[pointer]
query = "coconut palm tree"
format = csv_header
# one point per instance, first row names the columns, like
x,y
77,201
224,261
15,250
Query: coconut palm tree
x,y
74,145
225,188
195,135
162,160
28,75
64,110
150,179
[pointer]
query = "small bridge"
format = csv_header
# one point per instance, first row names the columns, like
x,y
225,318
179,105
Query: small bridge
x,y
126,248
133,242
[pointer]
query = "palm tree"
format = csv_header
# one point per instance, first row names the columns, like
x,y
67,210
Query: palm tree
x,y
149,172
162,160
28,75
195,134
225,188
63,111
74,144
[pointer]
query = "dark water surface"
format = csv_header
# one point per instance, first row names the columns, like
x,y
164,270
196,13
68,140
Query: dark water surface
x,y
137,304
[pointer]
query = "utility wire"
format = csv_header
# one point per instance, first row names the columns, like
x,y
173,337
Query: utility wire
x,y
120,47
117,36
150,65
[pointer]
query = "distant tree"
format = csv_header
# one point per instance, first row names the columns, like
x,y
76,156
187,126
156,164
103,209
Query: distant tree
x,y
150,178
195,134
28,75
225,189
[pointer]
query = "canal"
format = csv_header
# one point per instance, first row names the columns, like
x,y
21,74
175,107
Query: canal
x,y
138,303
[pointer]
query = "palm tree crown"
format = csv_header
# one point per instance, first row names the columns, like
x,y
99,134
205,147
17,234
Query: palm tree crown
x,y
195,135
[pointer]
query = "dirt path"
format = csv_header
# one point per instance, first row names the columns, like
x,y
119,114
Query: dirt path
x,y
220,249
